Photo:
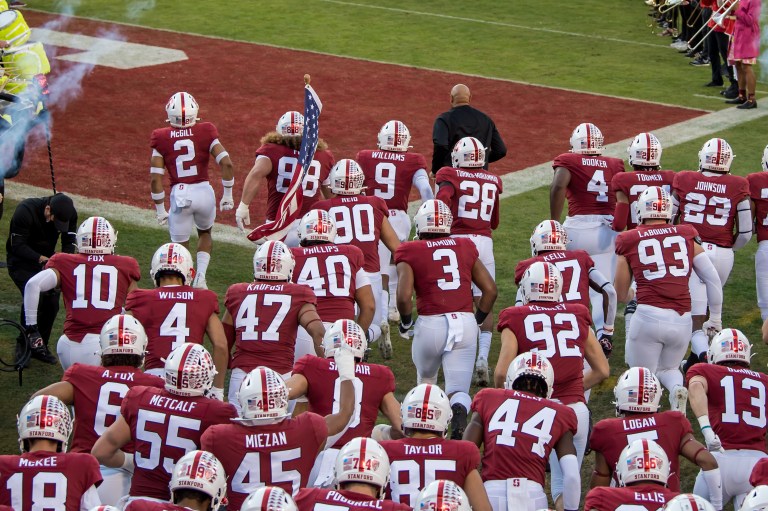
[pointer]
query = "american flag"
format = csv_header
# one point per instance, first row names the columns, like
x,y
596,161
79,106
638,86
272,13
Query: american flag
x,y
290,205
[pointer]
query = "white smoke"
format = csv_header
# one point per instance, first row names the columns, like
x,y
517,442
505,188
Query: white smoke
x,y
137,8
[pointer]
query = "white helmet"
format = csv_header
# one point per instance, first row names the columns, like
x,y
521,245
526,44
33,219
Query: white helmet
x,y
442,495
104,508
173,257
347,178
263,397
757,499
273,261
363,460
637,390
189,370
96,236
182,110
587,139
531,363
765,158
44,417
547,236
434,216
317,225
394,136
203,472
645,151
269,498
468,153
716,155
291,124
348,332
642,460
123,334
426,407
729,345
654,202
688,502
541,282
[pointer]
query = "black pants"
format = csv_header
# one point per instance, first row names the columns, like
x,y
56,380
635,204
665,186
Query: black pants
x,y
717,46
49,301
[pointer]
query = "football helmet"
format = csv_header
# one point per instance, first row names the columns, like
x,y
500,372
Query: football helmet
x,y
203,472
347,178
468,153
182,110
426,407
263,397
123,334
637,390
531,363
765,158
189,370
729,345
716,155
654,202
642,460
394,136
345,331
363,460
291,124
587,139
96,236
269,498
757,499
104,508
44,417
175,258
433,217
273,261
547,236
541,282
317,225
645,151
442,495
688,502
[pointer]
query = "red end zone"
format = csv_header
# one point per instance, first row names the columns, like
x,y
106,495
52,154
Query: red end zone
x,y
101,141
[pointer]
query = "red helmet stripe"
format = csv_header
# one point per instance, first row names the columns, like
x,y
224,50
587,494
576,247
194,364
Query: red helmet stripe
x,y
476,149
647,146
641,388
44,412
425,403
361,461
693,503
735,344
195,465
646,456
169,256
182,364
120,322
265,499
94,230
397,133
719,150
270,257
440,490
546,278
183,110
589,136
264,390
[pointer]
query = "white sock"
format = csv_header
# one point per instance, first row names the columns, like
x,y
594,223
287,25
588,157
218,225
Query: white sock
x,y
203,258
670,378
392,271
385,302
699,342
461,398
485,344
374,332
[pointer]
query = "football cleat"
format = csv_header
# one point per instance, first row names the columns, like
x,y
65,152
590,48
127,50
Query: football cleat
x,y
482,376
385,342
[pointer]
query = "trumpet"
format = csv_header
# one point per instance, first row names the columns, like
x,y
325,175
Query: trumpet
x,y
668,5
718,18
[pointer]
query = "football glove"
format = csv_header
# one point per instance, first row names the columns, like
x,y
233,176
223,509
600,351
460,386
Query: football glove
x,y
606,342
345,362
162,217
712,440
227,202
242,216
34,337
406,329
712,325
216,393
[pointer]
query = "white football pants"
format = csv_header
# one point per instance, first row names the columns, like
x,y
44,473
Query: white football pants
x,y
761,277
191,206
579,441
449,340
735,468
722,259
87,351
518,494
484,245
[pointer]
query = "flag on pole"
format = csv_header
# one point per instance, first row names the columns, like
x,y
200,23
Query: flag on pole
x,y
290,205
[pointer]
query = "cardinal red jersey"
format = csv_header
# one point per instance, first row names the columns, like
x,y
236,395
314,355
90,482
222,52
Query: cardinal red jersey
x,y
323,392
519,432
331,271
186,151
473,196
98,393
649,496
537,325
709,203
165,427
610,436
151,505
358,220
416,462
171,315
736,401
284,161
279,454
574,265
759,474
317,499
633,183
442,273
389,175
758,191
588,191
45,480
94,288
661,259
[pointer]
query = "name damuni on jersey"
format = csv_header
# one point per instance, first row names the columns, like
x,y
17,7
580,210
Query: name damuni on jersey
x,y
445,242
384,155
359,368
260,440
706,186
594,162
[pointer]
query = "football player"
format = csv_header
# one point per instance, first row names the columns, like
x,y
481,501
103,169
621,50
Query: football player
x,y
688,502
643,471
661,258
164,424
444,494
472,195
184,149
716,203
728,400
441,269
276,160
519,426
756,500
758,192
96,392
269,498
45,476
94,284
390,172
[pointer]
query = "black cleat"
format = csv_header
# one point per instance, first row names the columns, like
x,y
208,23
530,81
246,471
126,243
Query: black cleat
x,y
458,422
42,354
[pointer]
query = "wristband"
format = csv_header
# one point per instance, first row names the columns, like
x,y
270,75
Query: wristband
x,y
480,316
608,329
221,156
158,196
406,320
228,183
156,170
704,422
127,462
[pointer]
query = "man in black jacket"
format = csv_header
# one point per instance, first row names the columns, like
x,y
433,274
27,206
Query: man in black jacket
x,y
34,232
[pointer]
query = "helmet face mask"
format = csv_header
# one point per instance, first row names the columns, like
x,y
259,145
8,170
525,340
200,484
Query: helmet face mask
x,y
347,178
637,391
200,471
642,461
345,331
172,258
123,334
273,261
96,236
654,203
44,417
182,110
587,139
363,460
645,151
189,370
426,407
531,364
549,235
433,217
394,136
316,226
716,155
730,345
290,124
541,282
468,153
263,397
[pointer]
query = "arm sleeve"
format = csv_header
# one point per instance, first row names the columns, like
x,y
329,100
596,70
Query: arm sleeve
x,y
675,205
571,482
620,216
604,284
744,212
43,281
445,193
518,297
714,481
498,149
707,272
422,184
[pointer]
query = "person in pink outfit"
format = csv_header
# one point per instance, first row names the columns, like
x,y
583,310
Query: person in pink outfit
x,y
744,50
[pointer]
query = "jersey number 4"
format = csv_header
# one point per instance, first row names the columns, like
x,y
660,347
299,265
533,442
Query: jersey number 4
x,y
537,427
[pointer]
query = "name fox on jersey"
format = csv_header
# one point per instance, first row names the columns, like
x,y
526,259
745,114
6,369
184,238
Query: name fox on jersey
x,y
259,440
96,258
170,403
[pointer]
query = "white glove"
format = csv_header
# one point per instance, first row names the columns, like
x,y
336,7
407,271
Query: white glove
x,y
227,202
162,216
127,463
216,393
345,362
713,325
381,432
242,216
712,440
